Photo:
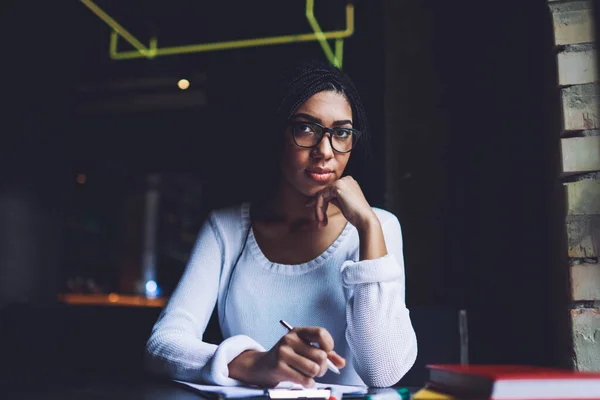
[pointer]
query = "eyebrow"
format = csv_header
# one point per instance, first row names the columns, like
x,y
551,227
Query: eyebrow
x,y
318,121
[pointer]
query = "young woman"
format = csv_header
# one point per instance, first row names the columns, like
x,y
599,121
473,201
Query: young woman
x,y
312,252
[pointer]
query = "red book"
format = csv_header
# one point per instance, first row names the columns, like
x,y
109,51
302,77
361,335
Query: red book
x,y
514,382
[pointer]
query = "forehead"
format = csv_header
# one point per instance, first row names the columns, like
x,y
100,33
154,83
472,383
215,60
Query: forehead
x,y
327,106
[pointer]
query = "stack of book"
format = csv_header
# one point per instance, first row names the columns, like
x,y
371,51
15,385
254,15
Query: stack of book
x,y
509,382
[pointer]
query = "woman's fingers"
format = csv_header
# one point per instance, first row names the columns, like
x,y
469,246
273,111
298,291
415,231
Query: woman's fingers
x,y
288,373
314,354
321,203
302,355
320,357
316,334
336,359
319,208
299,363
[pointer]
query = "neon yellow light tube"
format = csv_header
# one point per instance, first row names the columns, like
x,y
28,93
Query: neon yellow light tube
x,y
339,52
153,51
116,26
310,16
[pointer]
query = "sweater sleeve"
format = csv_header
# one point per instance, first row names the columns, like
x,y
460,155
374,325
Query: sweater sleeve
x,y
175,348
379,330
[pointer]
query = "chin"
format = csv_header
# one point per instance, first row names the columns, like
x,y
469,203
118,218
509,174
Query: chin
x,y
311,190
305,185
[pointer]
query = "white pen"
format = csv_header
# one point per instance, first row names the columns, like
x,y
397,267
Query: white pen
x,y
330,365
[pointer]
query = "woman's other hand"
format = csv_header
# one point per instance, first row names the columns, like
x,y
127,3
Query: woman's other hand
x,y
346,194
291,359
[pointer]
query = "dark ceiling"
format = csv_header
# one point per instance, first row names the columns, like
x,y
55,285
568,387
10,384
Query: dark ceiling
x,y
58,49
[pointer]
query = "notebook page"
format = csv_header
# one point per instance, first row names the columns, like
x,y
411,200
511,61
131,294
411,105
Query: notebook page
x,y
239,392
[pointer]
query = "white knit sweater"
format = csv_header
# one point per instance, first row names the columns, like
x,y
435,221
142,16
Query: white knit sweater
x,y
361,303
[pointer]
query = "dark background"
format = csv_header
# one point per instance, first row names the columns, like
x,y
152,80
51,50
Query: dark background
x,y
59,78
484,181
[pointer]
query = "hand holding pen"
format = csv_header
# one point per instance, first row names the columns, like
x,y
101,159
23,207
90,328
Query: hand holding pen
x,y
293,358
330,365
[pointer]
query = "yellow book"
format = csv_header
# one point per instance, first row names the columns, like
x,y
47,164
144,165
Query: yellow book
x,y
427,394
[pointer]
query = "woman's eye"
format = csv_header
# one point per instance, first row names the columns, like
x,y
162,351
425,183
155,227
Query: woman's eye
x,y
343,133
305,129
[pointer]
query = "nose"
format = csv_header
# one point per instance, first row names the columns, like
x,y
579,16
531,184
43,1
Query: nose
x,y
323,149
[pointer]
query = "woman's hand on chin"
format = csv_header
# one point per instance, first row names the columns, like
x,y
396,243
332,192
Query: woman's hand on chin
x,y
346,194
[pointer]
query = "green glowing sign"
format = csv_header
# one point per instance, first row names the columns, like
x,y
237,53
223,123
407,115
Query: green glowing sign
x,y
334,56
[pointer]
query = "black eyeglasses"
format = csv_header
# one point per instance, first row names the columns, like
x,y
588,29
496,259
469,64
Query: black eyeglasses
x,y
308,135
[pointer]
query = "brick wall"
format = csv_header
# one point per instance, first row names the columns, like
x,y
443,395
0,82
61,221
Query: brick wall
x,y
578,81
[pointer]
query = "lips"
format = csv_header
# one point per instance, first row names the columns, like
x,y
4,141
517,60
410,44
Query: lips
x,y
320,174
318,170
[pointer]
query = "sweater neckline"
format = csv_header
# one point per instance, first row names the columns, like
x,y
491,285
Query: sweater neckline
x,y
288,269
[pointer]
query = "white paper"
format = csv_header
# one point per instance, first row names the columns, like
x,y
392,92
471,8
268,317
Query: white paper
x,y
238,392
345,389
314,393
232,392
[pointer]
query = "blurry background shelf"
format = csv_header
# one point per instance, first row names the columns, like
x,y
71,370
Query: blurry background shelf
x,y
112,299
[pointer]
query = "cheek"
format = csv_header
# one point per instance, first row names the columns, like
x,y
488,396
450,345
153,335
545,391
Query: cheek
x,y
293,160
342,162
293,157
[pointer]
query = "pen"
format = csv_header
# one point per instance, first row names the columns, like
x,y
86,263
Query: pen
x,y
330,365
